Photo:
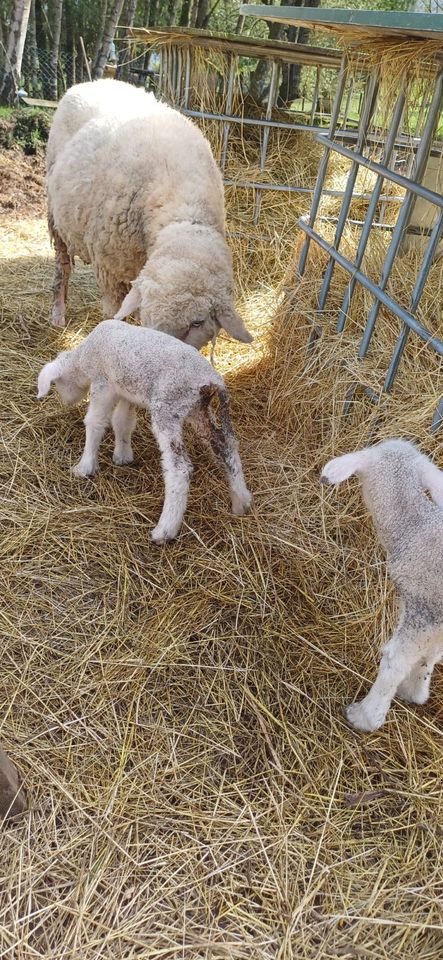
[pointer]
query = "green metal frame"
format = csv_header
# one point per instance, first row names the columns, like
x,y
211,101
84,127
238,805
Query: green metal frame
x,y
424,26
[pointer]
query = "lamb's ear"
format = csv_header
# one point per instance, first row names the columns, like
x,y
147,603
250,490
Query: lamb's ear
x,y
341,468
48,374
229,319
130,304
432,479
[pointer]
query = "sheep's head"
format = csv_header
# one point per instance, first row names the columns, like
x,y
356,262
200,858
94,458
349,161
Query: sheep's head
x,y
185,288
70,387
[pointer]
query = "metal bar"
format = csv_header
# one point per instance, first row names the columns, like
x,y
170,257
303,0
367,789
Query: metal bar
x,y
315,96
365,119
324,163
415,300
266,132
437,419
364,237
289,188
410,143
376,291
228,108
397,178
407,206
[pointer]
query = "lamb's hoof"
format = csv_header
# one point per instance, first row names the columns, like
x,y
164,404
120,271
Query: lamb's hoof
x,y
83,470
241,505
357,715
123,460
162,534
413,694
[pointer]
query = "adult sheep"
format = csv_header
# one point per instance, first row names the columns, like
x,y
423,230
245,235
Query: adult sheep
x,y
133,189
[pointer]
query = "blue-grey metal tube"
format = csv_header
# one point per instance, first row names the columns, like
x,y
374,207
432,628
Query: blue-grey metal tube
x,y
324,163
415,300
380,295
407,207
365,119
370,214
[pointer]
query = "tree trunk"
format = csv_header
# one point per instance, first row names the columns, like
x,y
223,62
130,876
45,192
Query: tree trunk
x,y
108,36
201,13
126,52
14,53
55,47
33,52
185,14
100,31
291,73
153,9
173,12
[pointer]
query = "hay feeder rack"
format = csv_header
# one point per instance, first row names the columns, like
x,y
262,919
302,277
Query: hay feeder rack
x,y
178,50
420,215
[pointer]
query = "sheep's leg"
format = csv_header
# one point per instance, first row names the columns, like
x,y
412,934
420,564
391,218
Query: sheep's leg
x,y
177,470
400,657
98,417
124,420
415,688
224,447
61,279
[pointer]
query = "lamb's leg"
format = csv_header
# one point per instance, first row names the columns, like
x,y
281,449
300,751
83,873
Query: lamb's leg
x,y
124,420
177,470
98,417
415,688
224,447
113,296
400,657
61,279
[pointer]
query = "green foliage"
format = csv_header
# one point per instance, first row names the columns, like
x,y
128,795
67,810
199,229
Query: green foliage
x,y
27,128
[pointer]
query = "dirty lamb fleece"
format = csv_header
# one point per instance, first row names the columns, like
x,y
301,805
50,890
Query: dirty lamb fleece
x,y
125,366
133,189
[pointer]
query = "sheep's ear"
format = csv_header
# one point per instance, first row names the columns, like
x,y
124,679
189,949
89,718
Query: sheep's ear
x,y
432,479
48,374
341,468
130,304
229,319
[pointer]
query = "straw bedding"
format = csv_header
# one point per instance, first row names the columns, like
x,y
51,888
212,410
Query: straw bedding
x,y
177,713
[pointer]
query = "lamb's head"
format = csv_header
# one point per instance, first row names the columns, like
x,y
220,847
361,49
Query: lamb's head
x,y
186,286
68,381
387,469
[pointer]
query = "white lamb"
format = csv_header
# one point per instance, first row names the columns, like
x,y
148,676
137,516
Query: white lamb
x,y
124,367
133,189
395,477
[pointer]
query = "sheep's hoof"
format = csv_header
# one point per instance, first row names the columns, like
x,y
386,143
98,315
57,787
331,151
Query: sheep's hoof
x,y
58,318
83,470
357,715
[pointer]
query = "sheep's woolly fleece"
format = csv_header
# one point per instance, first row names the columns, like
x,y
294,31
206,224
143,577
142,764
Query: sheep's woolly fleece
x,y
133,188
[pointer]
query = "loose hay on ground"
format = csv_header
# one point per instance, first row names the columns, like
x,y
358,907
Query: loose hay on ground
x,y
176,713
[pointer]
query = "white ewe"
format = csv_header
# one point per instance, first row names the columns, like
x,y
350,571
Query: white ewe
x,y
133,188
395,477
125,366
